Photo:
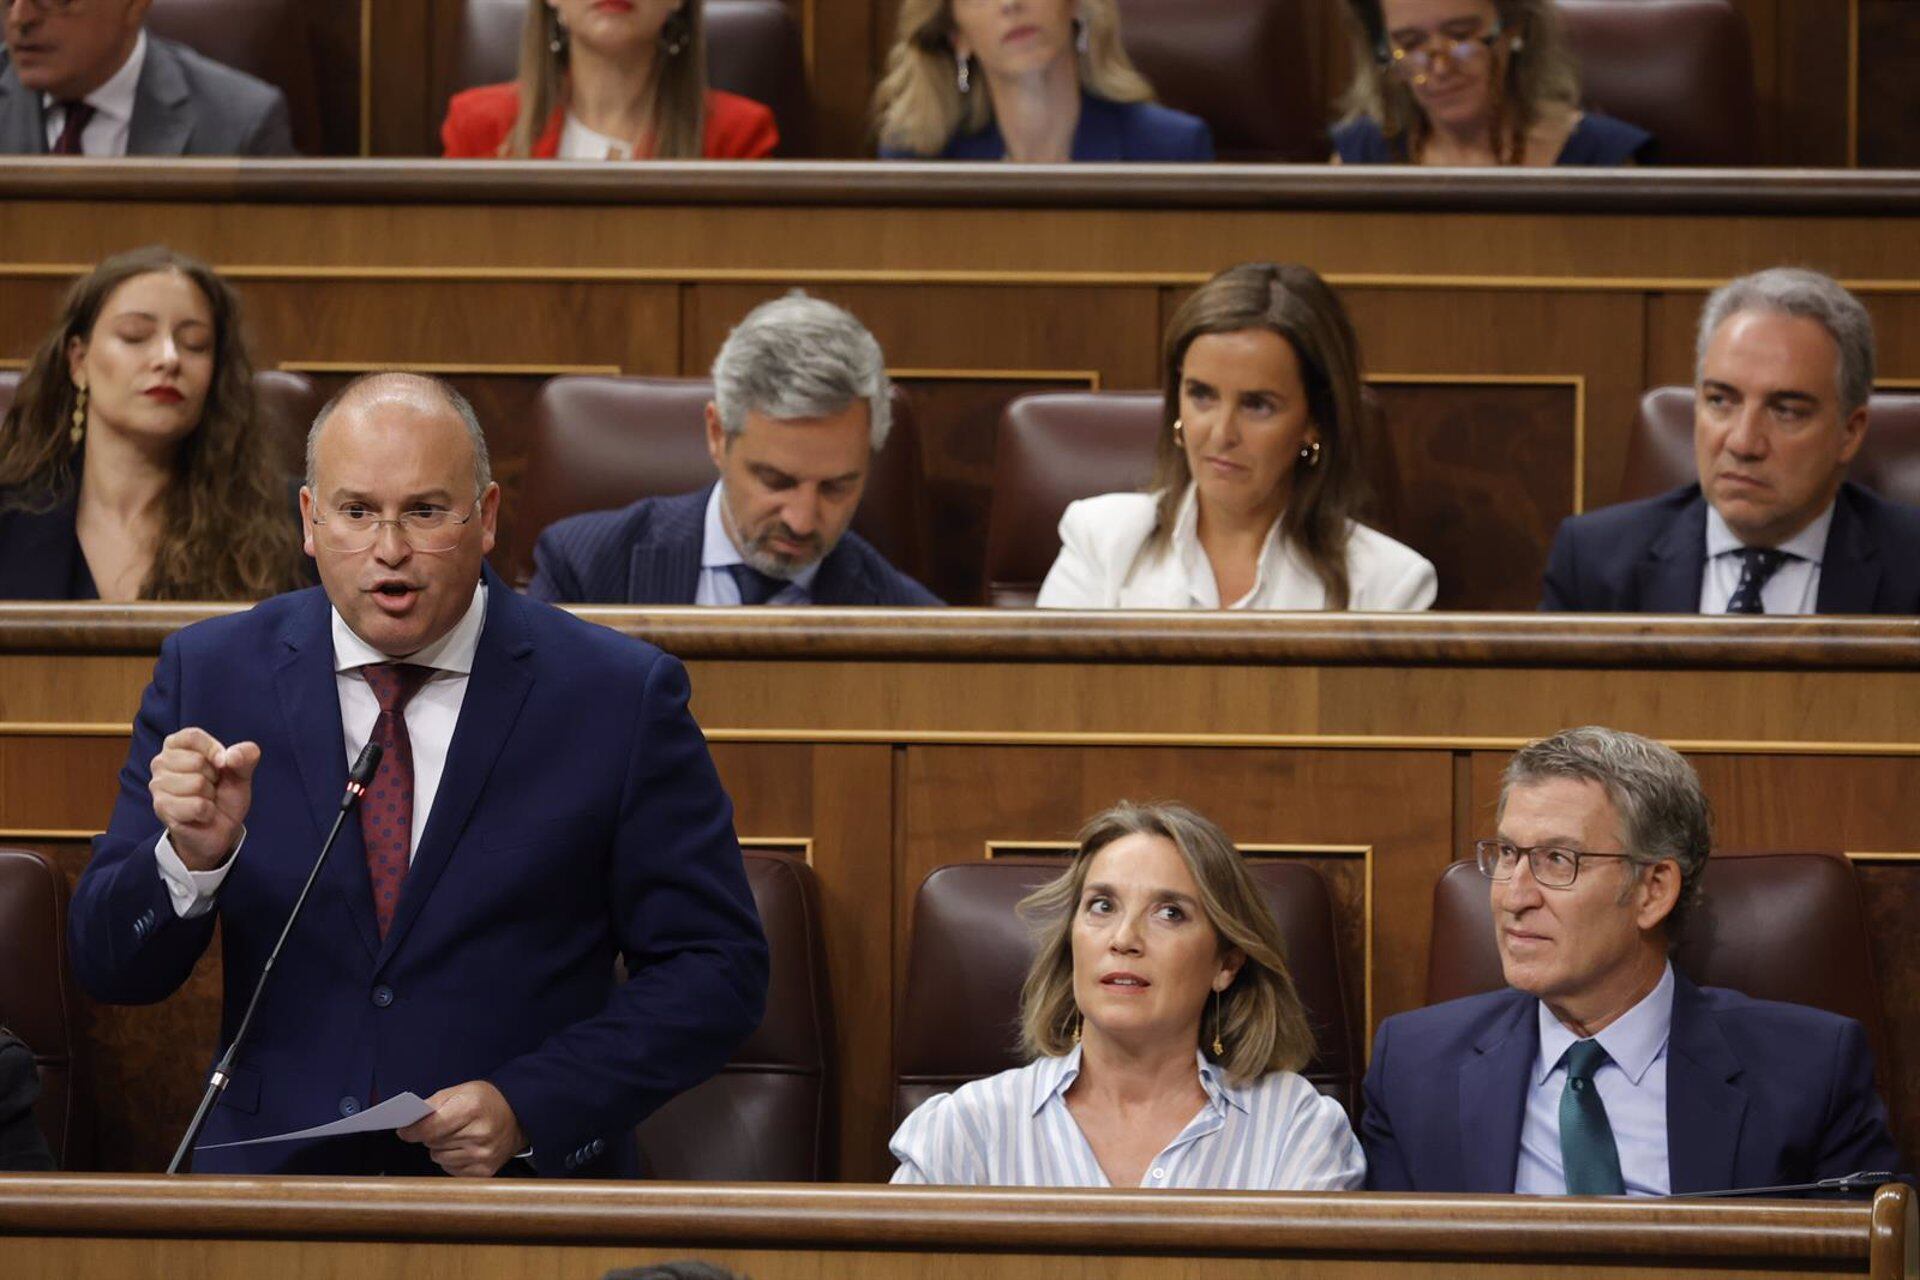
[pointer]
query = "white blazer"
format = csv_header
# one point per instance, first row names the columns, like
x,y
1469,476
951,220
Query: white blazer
x,y
1100,565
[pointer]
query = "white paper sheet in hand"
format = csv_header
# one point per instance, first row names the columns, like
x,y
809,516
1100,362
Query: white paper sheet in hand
x,y
395,1113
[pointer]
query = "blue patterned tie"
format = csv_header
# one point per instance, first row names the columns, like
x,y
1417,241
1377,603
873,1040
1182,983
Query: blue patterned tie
x,y
1757,567
756,587
1587,1153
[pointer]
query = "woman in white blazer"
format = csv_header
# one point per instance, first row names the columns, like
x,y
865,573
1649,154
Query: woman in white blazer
x,y
1256,475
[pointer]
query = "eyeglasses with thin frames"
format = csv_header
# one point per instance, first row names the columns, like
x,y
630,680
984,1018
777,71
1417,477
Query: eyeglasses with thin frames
x,y
1550,866
353,527
1414,63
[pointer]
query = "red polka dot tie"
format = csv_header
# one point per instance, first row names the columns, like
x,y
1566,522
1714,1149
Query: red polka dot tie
x,y
386,811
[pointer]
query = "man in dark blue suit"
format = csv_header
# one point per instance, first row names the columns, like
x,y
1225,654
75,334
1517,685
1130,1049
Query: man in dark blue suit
x,y
1602,1070
1785,367
801,404
544,805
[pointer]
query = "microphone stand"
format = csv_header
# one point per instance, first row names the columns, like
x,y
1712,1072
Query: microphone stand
x,y
358,778
1850,1182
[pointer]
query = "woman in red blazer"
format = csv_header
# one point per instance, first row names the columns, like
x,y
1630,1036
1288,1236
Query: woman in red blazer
x,y
609,80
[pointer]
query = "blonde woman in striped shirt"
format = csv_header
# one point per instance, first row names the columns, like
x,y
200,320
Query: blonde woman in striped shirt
x,y
1165,1032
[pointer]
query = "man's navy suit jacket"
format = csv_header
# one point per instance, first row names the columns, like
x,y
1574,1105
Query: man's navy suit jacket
x,y
579,817
1648,556
649,553
1758,1094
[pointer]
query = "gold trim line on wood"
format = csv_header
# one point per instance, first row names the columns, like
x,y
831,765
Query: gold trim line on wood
x,y
44,833
63,729
1089,376
1365,852
1578,381
1329,741
780,844
832,275
515,370
1873,856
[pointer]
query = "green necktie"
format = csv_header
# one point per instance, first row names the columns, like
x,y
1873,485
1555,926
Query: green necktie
x,y
1587,1152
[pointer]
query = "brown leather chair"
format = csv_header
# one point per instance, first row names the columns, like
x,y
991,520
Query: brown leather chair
x,y
39,1001
1660,450
1680,69
768,1115
1056,447
1775,926
969,953
1226,61
603,442
753,49
273,40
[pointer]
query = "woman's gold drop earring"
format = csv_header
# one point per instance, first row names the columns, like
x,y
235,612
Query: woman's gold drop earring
x,y
1219,1050
1179,433
79,428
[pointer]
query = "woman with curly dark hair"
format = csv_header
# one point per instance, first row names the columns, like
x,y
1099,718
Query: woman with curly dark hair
x,y
133,462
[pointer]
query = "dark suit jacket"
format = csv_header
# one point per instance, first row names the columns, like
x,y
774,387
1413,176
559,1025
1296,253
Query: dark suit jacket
x,y
1758,1094
1648,556
649,553
579,817
184,105
1107,131
22,1146
40,557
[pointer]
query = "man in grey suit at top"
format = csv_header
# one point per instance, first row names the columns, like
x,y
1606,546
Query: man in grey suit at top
x,y
83,77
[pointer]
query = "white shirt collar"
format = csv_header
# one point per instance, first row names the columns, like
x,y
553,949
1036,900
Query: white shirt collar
x,y
717,550
1054,1076
1633,1040
114,99
1204,591
1809,544
452,652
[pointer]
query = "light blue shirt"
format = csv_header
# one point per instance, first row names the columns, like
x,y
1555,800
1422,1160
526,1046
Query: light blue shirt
x,y
1794,586
1633,1087
1274,1133
717,552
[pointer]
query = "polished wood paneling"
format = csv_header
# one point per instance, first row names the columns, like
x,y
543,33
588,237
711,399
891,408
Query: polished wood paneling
x,y
1889,51
217,1227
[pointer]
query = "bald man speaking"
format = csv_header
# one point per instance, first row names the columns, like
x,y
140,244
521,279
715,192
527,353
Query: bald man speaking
x,y
544,803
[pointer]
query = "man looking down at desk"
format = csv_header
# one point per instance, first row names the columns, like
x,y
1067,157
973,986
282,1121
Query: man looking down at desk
x,y
801,404
460,942
1602,1070
1784,370
83,78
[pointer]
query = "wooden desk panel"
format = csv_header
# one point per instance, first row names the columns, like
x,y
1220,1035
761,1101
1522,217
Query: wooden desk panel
x,y
889,743
215,1228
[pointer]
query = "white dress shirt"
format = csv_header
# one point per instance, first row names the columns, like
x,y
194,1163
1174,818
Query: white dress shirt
x,y
578,142
1632,1085
1275,1133
112,103
1103,564
431,715
717,585
1794,586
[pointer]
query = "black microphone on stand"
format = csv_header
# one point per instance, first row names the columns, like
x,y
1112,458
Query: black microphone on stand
x,y
1866,1180
358,779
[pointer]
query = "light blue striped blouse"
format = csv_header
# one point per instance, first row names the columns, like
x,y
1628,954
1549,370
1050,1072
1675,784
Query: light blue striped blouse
x,y
1276,1133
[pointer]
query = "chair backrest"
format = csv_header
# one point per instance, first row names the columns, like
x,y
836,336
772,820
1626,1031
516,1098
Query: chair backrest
x,y
272,40
39,1001
768,1116
1660,449
1680,69
1227,62
1774,926
603,442
754,49
969,955
9,383
1054,448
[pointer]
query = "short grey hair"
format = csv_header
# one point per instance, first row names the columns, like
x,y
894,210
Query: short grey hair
x,y
1663,811
482,462
801,357
1809,295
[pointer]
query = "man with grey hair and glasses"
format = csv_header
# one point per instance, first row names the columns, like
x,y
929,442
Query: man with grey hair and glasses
x,y
801,404
1784,368
1600,1069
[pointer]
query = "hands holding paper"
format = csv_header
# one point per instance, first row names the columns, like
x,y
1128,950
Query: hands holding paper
x,y
472,1131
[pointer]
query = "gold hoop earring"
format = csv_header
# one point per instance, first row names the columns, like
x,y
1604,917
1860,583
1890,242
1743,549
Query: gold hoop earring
x,y
79,427
1219,1050
1310,454
1179,433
